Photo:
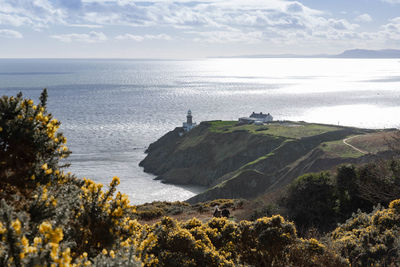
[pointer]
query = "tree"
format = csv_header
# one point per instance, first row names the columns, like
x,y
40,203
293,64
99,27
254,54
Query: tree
x,y
347,191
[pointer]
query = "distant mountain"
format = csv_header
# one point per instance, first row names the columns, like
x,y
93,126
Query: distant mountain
x,y
354,53
363,53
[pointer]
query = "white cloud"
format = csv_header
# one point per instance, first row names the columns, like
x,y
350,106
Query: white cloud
x,y
229,37
14,20
92,37
37,14
140,38
210,21
10,34
391,31
90,26
231,19
363,18
129,36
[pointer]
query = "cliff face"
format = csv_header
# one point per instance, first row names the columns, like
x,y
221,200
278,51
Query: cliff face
x,y
243,161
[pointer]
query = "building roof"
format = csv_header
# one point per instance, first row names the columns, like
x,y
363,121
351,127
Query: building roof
x,y
259,115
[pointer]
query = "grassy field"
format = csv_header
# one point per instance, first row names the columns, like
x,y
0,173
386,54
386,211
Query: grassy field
x,y
295,130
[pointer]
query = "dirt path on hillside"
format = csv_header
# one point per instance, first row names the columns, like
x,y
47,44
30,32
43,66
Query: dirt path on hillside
x,y
353,147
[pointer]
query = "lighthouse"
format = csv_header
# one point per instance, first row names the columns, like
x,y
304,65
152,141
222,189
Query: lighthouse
x,y
189,118
189,125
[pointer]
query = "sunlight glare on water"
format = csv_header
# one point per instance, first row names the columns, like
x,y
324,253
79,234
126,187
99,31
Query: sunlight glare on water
x,y
364,116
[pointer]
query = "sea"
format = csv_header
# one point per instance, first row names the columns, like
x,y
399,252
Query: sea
x,y
112,109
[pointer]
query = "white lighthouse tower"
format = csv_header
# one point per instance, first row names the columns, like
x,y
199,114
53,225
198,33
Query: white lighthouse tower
x,y
189,125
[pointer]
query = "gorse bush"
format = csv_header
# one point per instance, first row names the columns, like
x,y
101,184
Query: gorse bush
x,y
371,239
30,147
46,216
51,218
220,242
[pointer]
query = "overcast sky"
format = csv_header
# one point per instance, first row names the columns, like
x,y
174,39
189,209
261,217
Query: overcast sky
x,y
193,29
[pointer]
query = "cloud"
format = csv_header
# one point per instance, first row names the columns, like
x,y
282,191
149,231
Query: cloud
x,y
391,31
14,20
5,33
37,14
140,38
363,18
92,37
208,21
232,19
295,7
229,37
91,26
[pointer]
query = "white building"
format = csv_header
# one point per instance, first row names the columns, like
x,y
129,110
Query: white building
x,y
189,125
257,118
262,117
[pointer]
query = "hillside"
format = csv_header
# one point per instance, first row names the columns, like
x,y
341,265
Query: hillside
x,y
244,161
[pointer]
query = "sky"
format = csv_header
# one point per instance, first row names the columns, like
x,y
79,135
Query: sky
x,y
194,28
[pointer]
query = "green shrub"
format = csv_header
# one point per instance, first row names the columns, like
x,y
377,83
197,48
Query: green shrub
x,y
310,201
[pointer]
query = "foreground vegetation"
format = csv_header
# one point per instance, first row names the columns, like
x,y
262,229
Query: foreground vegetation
x,y
51,218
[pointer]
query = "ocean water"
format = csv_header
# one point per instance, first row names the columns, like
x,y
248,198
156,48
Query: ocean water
x,y
111,110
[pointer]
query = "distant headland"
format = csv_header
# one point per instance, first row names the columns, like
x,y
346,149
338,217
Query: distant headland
x,y
255,154
353,53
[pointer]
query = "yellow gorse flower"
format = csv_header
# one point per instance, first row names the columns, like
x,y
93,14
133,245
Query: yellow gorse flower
x,y
2,229
24,241
37,241
112,254
16,225
45,227
57,235
44,166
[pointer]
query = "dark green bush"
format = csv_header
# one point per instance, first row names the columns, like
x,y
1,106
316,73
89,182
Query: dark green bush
x,y
311,202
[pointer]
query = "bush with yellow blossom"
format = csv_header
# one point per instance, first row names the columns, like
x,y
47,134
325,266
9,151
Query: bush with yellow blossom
x,y
30,147
371,239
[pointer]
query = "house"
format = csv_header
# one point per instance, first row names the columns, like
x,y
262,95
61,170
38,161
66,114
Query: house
x,y
256,118
262,117
189,125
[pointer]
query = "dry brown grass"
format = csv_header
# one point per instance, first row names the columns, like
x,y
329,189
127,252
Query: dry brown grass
x,y
373,142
